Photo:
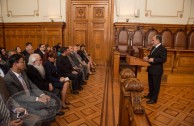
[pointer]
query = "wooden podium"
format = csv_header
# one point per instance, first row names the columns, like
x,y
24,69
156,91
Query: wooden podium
x,y
134,61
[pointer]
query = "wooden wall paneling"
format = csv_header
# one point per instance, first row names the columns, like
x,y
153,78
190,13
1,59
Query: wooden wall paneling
x,y
80,26
89,26
80,33
1,35
184,62
98,41
17,34
168,65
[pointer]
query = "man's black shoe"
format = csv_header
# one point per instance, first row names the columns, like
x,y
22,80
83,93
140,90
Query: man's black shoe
x,y
74,92
146,97
60,113
150,102
80,88
83,83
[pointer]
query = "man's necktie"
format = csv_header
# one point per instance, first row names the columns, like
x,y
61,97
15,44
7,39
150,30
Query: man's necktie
x,y
24,84
4,112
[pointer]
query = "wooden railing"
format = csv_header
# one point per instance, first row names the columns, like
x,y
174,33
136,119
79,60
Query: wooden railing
x,y
131,112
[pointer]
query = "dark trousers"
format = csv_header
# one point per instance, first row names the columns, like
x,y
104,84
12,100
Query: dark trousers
x,y
75,78
154,86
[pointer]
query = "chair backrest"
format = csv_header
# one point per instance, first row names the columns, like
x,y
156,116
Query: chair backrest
x,y
122,44
180,40
191,40
167,39
3,90
137,40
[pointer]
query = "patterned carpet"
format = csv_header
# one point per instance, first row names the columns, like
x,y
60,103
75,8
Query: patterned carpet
x,y
85,108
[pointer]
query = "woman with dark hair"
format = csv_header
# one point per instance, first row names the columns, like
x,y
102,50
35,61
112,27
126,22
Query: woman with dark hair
x,y
3,54
53,77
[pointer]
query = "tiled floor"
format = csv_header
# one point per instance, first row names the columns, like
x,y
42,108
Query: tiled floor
x,y
85,108
175,106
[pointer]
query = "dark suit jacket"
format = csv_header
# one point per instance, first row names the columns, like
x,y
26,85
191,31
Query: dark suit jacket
x,y
14,86
83,56
160,56
51,72
4,68
35,76
74,58
63,65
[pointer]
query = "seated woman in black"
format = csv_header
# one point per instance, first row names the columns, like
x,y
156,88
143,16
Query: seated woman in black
x,y
54,78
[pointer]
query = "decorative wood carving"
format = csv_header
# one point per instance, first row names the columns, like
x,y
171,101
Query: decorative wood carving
x,y
80,13
98,12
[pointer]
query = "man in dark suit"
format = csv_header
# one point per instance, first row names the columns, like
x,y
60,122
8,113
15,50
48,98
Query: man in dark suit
x,y
157,57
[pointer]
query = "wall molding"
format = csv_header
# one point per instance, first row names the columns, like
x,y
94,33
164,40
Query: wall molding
x,y
149,13
10,12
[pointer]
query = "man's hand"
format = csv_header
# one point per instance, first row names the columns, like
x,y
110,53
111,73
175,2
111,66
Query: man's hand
x,y
145,59
62,79
151,60
50,87
74,72
41,99
44,99
16,122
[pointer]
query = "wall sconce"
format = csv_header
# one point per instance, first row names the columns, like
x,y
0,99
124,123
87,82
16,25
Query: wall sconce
x,y
127,20
52,18
136,13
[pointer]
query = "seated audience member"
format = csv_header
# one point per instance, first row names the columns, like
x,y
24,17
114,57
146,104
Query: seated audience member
x,y
3,70
28,50
8,119
41,51
18,50
57,47
82,48
84,58
76,64
3,54
65,69
53,77
36,73
17,81
11,52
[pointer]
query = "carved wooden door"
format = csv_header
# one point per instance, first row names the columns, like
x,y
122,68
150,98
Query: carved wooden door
x,y
90,28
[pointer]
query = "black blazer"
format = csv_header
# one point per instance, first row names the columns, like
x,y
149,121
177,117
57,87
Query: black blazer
x,y
63,65
160,56
51,72
35,76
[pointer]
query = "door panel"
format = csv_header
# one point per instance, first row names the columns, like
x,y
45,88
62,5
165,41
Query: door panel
x,y
90,28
